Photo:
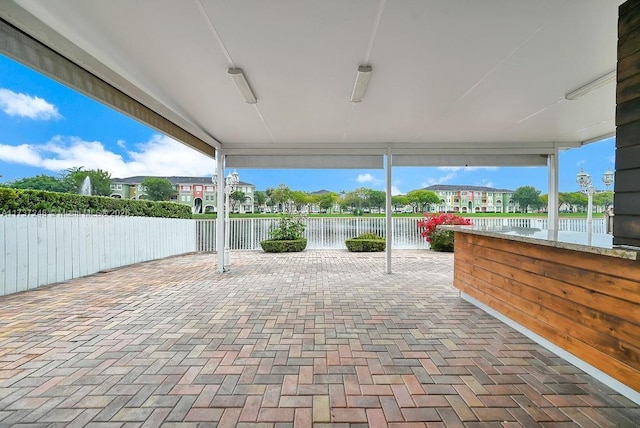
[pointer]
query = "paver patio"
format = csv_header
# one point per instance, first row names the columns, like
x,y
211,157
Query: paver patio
x,y
322,338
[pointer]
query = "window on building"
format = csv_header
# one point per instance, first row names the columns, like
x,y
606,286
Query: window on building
x,y
187,188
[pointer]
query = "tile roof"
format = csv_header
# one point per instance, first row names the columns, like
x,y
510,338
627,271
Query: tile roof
x,y
173,179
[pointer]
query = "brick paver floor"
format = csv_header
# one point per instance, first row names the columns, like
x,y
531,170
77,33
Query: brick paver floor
x,y
322,338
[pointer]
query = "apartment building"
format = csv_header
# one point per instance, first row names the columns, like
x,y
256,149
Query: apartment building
x,y
473,199
197,192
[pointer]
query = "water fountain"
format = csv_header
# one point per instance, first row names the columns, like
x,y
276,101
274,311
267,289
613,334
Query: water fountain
x,y
85,189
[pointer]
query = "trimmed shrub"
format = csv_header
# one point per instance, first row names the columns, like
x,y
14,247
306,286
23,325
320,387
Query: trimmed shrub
x,y
32,202
366,243
283,246
286,236
289,228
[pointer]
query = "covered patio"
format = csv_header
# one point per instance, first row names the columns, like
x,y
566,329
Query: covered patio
x,y
320,337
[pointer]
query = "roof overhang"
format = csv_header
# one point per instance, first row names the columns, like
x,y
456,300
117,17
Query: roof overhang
x,y
450,81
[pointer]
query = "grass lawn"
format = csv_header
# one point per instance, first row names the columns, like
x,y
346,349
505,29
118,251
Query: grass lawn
x,y
470,215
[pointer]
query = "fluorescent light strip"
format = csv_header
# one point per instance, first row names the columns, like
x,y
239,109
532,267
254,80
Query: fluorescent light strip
x,y
243,86
360,86
599,82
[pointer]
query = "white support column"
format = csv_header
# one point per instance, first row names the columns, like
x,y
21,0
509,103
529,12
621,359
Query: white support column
x,y
220,232
552,205
388,213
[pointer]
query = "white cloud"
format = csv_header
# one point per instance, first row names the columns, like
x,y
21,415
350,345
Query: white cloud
x,y
23,105
395,191
367,178
485,182
22,154
443,179
581,163
162,156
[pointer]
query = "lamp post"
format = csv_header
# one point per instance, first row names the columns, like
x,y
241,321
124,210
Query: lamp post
x,y
231,182
607,178
584,181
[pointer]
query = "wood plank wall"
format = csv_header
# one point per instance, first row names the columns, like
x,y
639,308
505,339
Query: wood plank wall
x,y
585,303
626,223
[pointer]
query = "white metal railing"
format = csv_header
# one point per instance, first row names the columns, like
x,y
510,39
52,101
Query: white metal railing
x,y
331,232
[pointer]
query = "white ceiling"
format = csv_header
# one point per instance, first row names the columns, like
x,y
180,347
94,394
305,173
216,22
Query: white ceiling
x,y
455,75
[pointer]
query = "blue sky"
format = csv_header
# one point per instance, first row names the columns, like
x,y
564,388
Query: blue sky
x,y
46,128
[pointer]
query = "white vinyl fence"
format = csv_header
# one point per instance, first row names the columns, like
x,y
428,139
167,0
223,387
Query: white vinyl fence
x,y
331,232
40,250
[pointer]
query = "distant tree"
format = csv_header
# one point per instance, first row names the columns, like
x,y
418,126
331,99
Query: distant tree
x,y
100,180
237,198
326,201
158,189
399,201
377,199
576,200
564,198
603,199
419,198
281,195
259,198
355,198
43,182
313,199
299,198
527,196
270,203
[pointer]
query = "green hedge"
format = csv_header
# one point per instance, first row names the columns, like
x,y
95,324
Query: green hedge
x,y
366,243
283,246
31,202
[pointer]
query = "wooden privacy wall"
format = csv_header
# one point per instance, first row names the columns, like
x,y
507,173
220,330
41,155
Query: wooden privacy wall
x,y
585,303
626,223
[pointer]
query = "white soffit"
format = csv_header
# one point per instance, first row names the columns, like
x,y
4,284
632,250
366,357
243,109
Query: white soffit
x,y
21,47
305,162
469,160
453,72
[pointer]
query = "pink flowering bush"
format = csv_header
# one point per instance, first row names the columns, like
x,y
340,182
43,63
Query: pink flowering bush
x,y
440,240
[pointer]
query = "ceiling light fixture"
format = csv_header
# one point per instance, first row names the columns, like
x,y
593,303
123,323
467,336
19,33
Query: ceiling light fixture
x,y
360,86
243,85
599,82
